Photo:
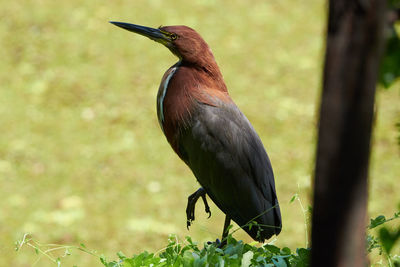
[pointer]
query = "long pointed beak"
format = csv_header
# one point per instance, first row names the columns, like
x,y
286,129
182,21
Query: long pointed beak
x,y
152,33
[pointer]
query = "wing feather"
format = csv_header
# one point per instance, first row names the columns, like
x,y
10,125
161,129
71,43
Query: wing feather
x,y
229,160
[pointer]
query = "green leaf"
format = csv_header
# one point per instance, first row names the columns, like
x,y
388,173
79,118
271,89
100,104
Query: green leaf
x,y
372,243
309,209
113,264
394,3
272,248
129,263
304,255
121,255
190,241
246,259
388,239
103,260
377,221
390,66
286,251
397,214
293,198
279,261
219,251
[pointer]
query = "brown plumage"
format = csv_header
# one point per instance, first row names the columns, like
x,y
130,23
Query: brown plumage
x,y
210,134
185,89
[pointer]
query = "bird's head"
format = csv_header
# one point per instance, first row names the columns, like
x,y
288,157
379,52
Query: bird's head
x,y
183,41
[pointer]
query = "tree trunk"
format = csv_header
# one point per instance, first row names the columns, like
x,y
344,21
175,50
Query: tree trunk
x,y
353,51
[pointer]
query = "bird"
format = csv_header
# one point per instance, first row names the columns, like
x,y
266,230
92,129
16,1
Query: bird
x,y
212,136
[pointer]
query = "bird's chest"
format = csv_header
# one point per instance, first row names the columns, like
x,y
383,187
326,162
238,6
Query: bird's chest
x,y
174,106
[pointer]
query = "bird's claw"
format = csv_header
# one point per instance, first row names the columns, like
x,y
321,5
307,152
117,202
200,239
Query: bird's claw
x,y
206,207
190,219
192,199
217,243
209,214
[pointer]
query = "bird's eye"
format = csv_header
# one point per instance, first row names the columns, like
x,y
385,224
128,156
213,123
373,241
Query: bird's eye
x,y
174,36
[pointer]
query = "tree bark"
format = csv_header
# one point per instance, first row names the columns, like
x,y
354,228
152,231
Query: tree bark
x,y
353,50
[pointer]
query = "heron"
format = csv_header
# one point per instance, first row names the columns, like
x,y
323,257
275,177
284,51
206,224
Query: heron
x,y
212,136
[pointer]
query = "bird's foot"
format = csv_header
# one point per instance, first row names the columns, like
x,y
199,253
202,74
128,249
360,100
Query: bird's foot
x,y
218,243
192,199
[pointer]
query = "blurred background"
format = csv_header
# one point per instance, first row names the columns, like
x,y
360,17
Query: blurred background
x,y
82,158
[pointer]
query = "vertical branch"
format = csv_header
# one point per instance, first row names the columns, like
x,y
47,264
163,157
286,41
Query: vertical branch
x,y
353,50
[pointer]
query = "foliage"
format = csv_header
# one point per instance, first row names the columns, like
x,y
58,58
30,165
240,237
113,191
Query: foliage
x,y
394,4
390,66
234,253
381,239
386,238
47,250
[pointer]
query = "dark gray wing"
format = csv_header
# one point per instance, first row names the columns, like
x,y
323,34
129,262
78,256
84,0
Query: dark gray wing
x,y
228,159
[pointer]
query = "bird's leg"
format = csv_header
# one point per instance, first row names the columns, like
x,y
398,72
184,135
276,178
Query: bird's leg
x,y
225,231
192,199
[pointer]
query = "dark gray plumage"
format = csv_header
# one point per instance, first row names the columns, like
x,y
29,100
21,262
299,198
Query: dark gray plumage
x,y
228,159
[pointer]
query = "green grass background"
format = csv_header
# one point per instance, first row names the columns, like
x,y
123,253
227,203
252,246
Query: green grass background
x,y
82,158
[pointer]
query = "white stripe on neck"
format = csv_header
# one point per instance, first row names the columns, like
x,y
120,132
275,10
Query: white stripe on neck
x,y
163,93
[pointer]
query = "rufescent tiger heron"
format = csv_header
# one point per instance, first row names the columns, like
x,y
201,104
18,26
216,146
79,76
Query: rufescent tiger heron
x,y
212,136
